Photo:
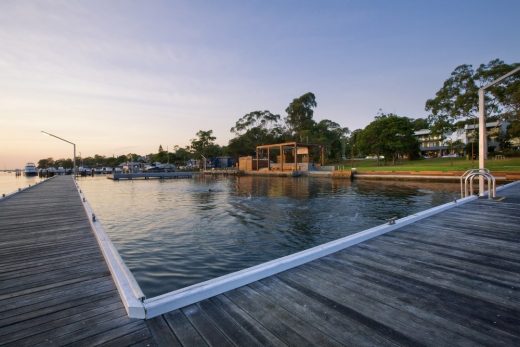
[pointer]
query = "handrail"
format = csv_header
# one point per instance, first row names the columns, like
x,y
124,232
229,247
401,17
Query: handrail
x,y
468,177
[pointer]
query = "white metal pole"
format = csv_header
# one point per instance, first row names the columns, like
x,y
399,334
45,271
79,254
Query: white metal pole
x,y
482,146
74,162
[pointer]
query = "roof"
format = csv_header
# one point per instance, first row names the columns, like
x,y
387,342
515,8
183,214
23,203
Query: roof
x,y
293,144
488,125
422,132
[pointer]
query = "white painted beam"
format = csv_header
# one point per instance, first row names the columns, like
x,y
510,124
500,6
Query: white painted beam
x,y
128,288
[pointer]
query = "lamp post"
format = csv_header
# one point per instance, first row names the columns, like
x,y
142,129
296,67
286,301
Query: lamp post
x,y
73,144
482,146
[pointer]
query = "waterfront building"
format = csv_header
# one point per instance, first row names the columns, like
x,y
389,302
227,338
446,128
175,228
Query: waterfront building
x,y
435,145
287,156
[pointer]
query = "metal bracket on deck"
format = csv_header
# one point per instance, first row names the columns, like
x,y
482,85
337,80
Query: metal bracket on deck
x,y
391,221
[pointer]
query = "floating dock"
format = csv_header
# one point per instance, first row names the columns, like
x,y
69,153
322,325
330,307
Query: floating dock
x,y
150,175
222,172
451,277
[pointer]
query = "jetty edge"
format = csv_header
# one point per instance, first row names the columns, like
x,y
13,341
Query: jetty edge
x,y
185,296
55,284
131,294
450,278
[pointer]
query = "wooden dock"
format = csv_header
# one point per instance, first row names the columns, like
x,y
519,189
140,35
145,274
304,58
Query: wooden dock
x,y
222,172
150,175
449,279
55,287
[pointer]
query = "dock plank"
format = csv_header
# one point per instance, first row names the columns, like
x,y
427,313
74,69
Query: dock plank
x,y
449,279
55,287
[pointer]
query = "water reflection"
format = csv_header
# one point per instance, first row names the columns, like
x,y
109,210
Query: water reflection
x,y
10,183
175,233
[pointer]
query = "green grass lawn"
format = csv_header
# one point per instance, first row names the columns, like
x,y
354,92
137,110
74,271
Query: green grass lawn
x,y
437,164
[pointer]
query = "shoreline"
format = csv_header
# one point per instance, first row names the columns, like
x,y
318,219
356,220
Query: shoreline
x,y
430,176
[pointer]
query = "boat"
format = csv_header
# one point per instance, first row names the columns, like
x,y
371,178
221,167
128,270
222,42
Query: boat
x,y
30,170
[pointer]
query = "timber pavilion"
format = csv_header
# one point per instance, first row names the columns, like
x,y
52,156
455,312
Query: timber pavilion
x,y
287,156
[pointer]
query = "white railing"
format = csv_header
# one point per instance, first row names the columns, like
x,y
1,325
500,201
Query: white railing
x,y
466,183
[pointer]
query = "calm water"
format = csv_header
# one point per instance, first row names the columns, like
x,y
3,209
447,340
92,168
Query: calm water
x,y
175,233
10,183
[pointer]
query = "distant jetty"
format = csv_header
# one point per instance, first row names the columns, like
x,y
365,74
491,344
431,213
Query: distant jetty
x,y
150,175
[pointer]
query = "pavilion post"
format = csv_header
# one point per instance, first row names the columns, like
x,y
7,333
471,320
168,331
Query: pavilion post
x,y
268,159
281,158
295,156
257,166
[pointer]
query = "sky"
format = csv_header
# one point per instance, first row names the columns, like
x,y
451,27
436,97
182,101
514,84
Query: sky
x,y
118,77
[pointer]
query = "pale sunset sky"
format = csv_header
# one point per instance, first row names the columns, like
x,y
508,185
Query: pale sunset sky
x,y
126,76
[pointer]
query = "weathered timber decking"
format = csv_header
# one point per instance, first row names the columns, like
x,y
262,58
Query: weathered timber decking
x,y
452,279
55,287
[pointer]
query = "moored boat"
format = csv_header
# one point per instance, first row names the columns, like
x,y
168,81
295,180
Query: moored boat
x,y
30,170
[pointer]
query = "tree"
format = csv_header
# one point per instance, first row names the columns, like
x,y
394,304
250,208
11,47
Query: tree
x,y
161,156
441,126
65,163
204,144
263,127
332,135
181,155
420,123
389,135
253,129
246,143
45,163
352,147
502,99
257,120
300,116
458,97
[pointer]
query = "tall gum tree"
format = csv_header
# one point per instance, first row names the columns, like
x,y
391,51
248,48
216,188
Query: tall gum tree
x,y
300,114
458,97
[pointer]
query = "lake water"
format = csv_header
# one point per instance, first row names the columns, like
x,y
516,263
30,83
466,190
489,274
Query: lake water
x,y
10,183
175,233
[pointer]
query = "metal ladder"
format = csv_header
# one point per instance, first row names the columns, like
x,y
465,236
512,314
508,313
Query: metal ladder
x,y
466,183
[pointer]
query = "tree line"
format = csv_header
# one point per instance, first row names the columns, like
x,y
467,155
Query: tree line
x,y
389,135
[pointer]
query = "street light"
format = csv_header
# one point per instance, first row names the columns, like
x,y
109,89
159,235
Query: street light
x,y
73,144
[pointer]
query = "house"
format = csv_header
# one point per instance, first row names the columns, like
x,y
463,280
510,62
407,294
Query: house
x,y
437,146
430,145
